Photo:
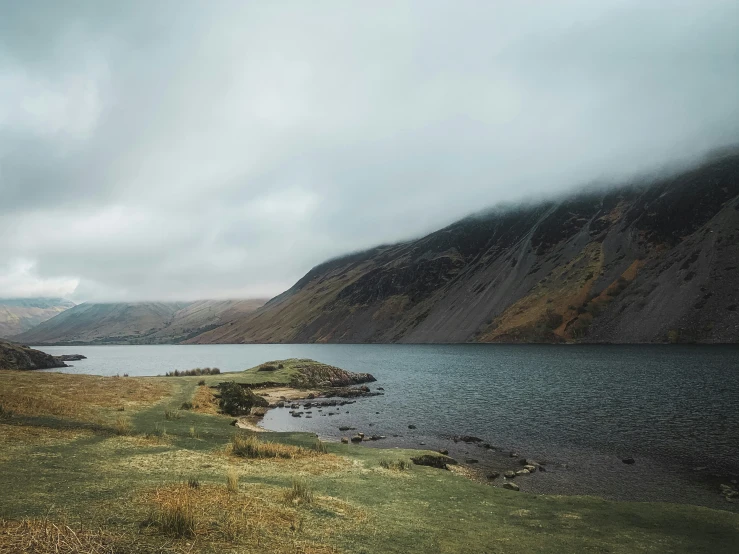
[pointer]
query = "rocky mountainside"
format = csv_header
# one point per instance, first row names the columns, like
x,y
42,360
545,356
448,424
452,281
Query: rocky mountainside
x,y
647,262
21,314
136,323
16,356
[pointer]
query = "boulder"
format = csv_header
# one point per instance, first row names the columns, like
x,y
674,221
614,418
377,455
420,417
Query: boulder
x,y
356,438
509,474
493,475
345,440
466,438
434,460
523,472
629,461
411,427
531,468
510,485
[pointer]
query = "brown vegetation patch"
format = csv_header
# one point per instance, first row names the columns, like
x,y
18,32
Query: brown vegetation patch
x,y
81,397
40,536
254,517
204,401
15,437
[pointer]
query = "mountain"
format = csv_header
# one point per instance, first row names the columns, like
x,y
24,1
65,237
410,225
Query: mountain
x,y
647,262
21,314
16,356
136,323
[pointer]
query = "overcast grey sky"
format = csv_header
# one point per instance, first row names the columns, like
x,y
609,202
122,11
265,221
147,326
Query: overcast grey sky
x,y
183,150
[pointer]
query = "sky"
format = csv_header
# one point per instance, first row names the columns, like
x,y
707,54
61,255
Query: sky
x,y
181,150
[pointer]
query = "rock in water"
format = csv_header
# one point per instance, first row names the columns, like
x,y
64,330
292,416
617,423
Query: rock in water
x,y
629,461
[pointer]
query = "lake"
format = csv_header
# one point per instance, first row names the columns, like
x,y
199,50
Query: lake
x,y
674,409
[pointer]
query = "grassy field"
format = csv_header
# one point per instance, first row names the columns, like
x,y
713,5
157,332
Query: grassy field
x,y
95,464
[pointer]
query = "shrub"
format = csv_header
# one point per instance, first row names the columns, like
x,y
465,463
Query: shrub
x,y
267,367
299,493
236,400
122,426
201,383
157,433
193,372
186,406
232,481
172,414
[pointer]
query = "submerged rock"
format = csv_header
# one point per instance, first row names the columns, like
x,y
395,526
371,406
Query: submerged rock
x,y
629,461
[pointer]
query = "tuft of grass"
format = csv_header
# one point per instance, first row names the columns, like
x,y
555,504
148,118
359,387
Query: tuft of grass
x,y
172,414
249,446
186,406
232,481
299,494
194,433
159,433
193,483
175,516
122,426
201,383
320,447
395,465
5,413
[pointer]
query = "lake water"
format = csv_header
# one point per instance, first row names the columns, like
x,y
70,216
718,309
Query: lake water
x,y
581,408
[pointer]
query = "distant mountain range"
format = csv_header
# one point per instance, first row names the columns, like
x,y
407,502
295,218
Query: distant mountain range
x,y
649,262
21,314
136,323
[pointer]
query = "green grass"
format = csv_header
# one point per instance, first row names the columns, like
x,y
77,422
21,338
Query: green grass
x,y
99,478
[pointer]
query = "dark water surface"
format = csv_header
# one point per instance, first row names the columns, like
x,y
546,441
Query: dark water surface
x,y
580,408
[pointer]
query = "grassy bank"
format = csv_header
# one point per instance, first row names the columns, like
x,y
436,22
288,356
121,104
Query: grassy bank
x,y
119,456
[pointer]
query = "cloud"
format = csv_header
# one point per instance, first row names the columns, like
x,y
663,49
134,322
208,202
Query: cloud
x,y
182,150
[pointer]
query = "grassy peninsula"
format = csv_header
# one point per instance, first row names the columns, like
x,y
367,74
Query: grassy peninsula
x,y
93,464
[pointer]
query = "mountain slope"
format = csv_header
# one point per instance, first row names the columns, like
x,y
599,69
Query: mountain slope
x,y
136,323
652,262
16,356
21,314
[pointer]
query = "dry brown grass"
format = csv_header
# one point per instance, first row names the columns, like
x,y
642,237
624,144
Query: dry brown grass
x,y
204,401
251,446
254,519
40,536
80,397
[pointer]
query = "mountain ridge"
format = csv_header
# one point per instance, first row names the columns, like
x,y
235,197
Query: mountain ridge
x,y
135,322
647,262
18,315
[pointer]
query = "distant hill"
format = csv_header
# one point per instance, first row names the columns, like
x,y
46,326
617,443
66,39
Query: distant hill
x,y
21,314
650,262
16,356
136,323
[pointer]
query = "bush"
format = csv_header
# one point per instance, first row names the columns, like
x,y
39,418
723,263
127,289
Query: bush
x,y
236,400
267,367
193,372
201,383
186,406
299,493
